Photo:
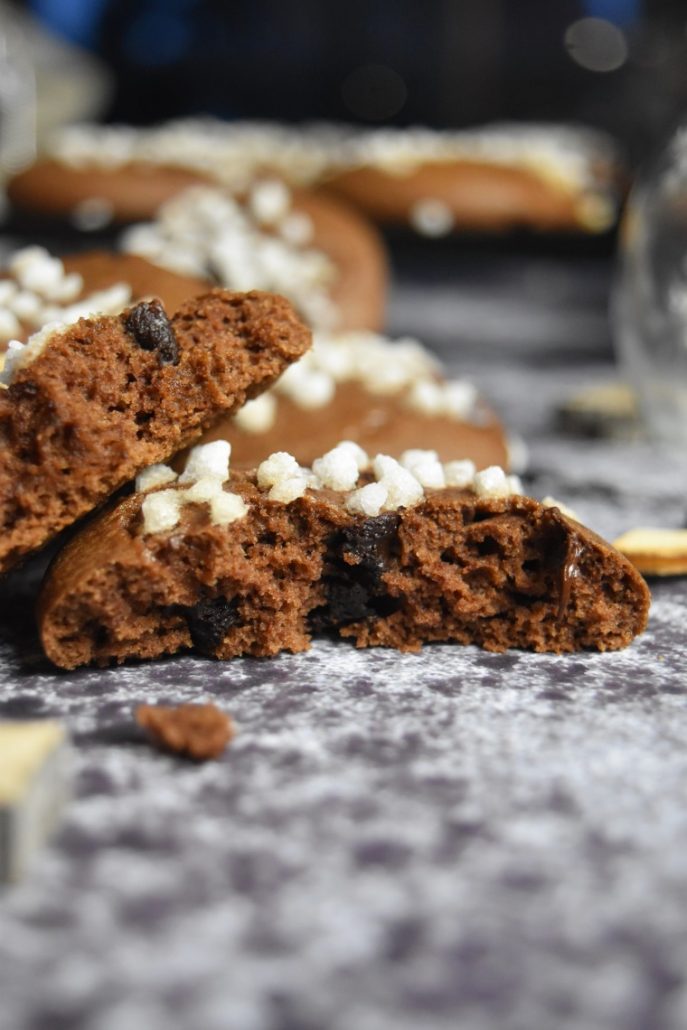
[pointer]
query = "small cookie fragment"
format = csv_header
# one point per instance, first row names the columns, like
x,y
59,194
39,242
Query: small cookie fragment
x,y
33,790
655,551
196,731
604,410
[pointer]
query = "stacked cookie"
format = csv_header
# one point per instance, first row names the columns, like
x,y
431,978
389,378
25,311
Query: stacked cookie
x,y
130,365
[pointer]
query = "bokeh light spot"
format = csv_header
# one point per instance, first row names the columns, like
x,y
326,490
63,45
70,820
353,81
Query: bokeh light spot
x,y
596,44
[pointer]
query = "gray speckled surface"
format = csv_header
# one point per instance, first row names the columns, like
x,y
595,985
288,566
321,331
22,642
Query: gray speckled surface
x,y
454,839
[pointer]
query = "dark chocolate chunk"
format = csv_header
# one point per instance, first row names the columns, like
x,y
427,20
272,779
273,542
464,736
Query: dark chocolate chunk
x,y
562,551
570,570
208,622
370,544
349,601
151,329
357,558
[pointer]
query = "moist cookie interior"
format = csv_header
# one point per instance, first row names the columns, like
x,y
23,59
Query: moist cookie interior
x,y
499,572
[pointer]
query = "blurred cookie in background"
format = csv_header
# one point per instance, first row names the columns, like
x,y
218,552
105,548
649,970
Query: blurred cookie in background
x,y
38,288
385,395
312,249
547,178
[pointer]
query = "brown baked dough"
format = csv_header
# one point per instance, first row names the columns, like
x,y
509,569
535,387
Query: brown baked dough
x,y
109,396
102,268
497,572
134,191
379,423
356,250
196,731
478,195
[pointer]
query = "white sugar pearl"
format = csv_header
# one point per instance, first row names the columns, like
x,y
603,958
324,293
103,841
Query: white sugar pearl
x,y
154,475
368,500
459,473
161,511
257,416
491,482
278,466
287,490
209,459
226,508
337,469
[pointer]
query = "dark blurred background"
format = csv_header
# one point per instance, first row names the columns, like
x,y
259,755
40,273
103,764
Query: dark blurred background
x,y
617,64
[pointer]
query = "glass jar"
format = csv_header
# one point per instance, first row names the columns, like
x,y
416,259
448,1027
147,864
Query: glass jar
x,y
650,299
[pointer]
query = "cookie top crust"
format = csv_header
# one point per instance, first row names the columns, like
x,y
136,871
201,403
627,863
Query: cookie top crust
x,y
38,288
233,152
367,486
263,244
382,366
229,153
569,156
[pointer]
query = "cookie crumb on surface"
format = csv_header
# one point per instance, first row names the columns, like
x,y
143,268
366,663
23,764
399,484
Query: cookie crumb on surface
x,y
196,731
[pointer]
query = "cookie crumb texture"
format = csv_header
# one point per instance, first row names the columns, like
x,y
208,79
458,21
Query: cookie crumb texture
x,y
499,572
109,396
196,731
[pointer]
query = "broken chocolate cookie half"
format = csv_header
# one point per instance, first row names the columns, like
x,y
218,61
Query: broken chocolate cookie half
x,y
385,552
88,405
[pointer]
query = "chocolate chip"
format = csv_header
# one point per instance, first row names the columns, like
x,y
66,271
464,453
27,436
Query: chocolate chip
x,y
349,601
357,557
152,330
370,543
208,622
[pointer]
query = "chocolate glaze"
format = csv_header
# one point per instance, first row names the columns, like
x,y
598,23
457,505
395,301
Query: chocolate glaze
x,y
570,570
566,551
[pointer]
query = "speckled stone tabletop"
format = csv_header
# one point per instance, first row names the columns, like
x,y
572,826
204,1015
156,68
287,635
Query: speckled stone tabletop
x,y
450,840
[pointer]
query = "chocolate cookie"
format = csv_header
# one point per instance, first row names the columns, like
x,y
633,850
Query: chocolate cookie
x,y
496,178
312,249
38,288
385,395
383,553
126,193
90,404
123,174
